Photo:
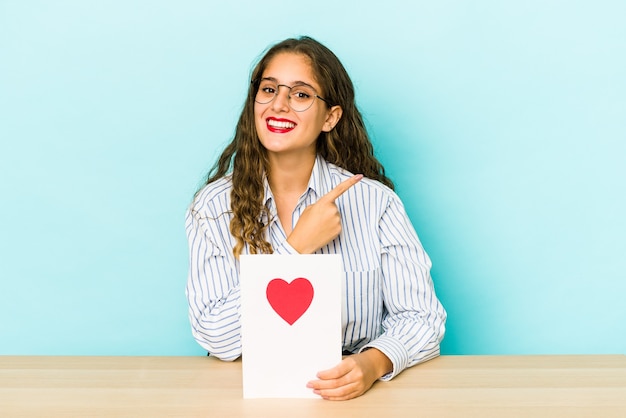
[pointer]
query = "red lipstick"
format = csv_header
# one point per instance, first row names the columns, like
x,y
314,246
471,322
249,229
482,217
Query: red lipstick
x,y
280,125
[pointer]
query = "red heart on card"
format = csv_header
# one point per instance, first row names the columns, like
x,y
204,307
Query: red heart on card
x,y
290,300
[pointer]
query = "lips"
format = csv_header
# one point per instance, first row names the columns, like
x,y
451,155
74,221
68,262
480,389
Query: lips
x,y
279,125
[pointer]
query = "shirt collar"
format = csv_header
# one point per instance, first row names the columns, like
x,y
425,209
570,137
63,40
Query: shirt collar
x,y
320,183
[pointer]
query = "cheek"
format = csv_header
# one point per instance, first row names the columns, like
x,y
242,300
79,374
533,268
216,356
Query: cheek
x,y
259,120
257,111
321,120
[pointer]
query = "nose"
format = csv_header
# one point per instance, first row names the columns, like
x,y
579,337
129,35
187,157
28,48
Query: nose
x,y
281,101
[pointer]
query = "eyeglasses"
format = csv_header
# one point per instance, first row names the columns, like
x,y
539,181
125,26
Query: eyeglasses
x,y
301,96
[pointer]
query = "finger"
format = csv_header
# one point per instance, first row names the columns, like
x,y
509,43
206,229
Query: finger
x,y
327,384
342,393
341,188
343,368
329,379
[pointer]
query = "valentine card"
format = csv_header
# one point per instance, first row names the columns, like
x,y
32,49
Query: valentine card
x,y
290,322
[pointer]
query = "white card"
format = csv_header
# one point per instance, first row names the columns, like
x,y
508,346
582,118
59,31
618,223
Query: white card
x,y
290,322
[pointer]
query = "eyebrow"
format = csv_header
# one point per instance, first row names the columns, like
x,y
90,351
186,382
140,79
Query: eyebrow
x,y
295,83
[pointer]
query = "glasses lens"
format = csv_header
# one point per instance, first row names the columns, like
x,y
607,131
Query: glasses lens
x,y
266,92
301,97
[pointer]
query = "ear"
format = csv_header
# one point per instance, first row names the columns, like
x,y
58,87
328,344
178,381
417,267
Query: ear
x,y
332,118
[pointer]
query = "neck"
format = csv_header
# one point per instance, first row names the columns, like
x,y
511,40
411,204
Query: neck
x,y
290,175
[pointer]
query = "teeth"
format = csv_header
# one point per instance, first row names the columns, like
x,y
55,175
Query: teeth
x,y
282,125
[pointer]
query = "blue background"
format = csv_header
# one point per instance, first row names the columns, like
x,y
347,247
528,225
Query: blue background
x,y
502,123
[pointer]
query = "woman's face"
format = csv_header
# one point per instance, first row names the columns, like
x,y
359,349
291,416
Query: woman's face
x,y
281,130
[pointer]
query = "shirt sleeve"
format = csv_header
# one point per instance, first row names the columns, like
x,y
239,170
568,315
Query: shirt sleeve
x,y
212,291
414,319
285,249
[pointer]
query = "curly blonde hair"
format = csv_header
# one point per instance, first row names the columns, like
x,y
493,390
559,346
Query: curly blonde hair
x,y
347,145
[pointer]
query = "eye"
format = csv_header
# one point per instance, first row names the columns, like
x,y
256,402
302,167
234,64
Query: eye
x,y
268,89
301,93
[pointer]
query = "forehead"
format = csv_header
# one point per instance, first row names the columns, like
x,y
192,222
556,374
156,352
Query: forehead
x,y
289,68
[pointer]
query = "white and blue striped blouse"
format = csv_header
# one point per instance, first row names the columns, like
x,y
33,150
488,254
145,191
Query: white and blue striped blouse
x,y
390,302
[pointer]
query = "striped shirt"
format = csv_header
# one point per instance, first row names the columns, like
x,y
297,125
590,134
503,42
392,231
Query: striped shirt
x,y
390,302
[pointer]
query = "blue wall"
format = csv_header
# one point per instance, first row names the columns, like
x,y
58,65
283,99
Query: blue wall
x,y
502,123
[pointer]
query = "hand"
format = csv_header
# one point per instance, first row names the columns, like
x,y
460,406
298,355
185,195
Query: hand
x,y
352,377
320,222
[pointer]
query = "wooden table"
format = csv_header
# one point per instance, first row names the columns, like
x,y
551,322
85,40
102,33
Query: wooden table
x,y
449,386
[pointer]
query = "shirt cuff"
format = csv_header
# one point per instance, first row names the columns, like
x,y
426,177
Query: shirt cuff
x,y
394,350
285,249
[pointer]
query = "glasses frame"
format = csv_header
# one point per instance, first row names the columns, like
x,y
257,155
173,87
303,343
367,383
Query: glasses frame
x,y
257,84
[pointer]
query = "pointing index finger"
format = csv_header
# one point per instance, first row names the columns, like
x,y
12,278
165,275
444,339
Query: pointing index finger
x,y
342,187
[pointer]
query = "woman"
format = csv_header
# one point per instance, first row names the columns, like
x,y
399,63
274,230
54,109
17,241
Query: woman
x,y
285,185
